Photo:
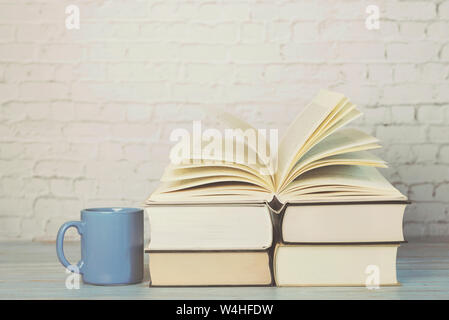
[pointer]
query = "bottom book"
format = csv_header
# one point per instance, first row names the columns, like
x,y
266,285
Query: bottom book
x,y
206,268
288,265
335,265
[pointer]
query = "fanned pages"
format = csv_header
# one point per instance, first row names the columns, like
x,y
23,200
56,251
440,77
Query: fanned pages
x,y
317,161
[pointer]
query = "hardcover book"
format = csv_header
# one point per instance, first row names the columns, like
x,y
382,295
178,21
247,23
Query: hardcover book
x,y
209,268
335,265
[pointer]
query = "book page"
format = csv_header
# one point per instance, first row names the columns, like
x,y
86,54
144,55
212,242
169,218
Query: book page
x,y
177,185
240,146
356,158
236,123
341,141
357,176
341,111
340,121
230,192
327,182
344,115
199,165
303,127
211,171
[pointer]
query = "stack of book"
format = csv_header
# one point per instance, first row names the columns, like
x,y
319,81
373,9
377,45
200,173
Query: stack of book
x,y
316,212
213,244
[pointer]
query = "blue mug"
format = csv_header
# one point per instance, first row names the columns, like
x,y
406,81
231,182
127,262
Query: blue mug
x,y
111,246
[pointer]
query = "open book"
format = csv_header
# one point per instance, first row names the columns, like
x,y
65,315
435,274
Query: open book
x,y
316,161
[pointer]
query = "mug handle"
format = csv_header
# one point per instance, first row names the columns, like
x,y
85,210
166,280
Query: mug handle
x,y
60,244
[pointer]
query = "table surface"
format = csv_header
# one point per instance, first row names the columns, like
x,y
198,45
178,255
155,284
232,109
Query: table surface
x,y
30,270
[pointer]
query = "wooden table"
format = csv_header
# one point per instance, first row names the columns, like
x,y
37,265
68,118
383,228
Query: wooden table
x,y
30,270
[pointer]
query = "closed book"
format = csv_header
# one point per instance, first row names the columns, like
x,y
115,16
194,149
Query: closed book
x,y
335,265
211,226
342,222
210,268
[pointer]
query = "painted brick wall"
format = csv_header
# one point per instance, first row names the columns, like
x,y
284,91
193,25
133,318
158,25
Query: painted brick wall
x,y
85,115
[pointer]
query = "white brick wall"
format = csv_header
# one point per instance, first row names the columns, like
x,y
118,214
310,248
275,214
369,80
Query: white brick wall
x,y
85,115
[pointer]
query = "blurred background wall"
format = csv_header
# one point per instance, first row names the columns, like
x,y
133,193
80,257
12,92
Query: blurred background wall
x,y
85,114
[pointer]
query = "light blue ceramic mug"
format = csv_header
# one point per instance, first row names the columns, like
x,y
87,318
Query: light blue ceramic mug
x,y
111,245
